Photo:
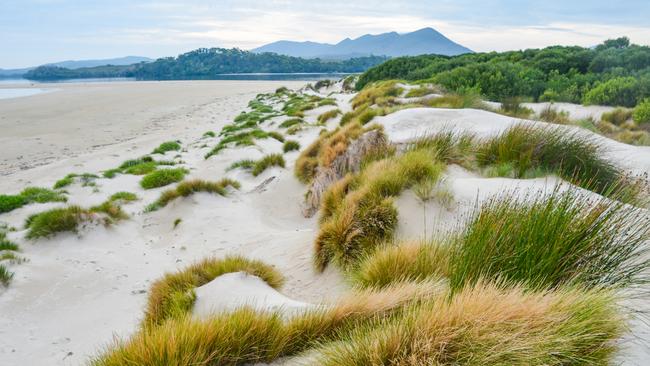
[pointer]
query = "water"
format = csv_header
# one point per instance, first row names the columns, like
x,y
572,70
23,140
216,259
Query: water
x,y
8,93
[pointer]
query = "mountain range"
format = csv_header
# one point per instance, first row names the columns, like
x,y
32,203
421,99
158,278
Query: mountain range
x,y
392,44
78,64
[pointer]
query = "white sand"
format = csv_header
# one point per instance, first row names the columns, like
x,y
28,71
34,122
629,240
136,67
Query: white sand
x,y
77,291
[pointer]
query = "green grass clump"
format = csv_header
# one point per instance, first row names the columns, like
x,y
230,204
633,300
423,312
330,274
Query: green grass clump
x,y
326,116
571,156
167,146
421,92
552,115
512,107
290,145
189,187
30,195
140,166
54,221
163,177
361,216
6,244
87,179
209,134
64,182
276,136
566,238
374,93
327,101
456,101
247,336
242,164
291,122
173,295
267,162
112,210
123,197
487,325
246,138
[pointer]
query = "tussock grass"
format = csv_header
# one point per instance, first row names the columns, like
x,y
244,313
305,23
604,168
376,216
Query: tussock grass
x,y
359,214
5,244
243,164
291,122
290,145
373,93
163,177
541,242
173,295
276,136
408,261
246,138
140,166
209,134
552,115
248,336
575,158
111,209
5,276
326,116
123,197
167,146
512,107
30,195
448,146
267,162
487,325
189,187
54,221
617,116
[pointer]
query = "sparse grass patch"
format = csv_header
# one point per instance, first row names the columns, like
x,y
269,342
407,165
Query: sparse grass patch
x,y
189,187
163,177
167,146
5,276
290,145
173,295
512,107
552,115
326,116
267,162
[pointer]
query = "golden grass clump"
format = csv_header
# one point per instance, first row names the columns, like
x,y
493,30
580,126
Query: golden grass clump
x,y
487,325
371,93
173,295
326,116
248,336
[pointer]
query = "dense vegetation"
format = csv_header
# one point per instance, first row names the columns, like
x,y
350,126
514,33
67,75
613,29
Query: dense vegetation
x,y
613,73
206,63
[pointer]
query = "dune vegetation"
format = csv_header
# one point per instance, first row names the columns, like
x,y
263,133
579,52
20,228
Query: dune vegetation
x,y
30,195
189,187
163,177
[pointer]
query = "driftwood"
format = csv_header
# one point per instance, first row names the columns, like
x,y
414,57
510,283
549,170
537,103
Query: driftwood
x,y
346,162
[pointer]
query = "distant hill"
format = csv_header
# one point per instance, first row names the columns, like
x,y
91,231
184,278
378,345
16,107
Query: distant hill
x,y
120,61
78,64
207,63
393,44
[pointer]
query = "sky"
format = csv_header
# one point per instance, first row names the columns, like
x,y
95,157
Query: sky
x,y
34,32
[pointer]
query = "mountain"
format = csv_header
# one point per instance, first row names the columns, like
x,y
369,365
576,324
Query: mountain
x,y
120,61
392,44
79,64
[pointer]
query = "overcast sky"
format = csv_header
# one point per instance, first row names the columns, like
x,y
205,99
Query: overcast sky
x,y
34,32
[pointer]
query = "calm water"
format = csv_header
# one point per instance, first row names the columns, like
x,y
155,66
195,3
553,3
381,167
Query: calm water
x,y
7,93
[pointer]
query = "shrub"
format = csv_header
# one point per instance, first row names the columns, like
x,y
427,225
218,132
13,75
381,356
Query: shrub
x,y
290,145
167,146
246,336
620,91
565,239
266,162
642,112
189,187
326,116
617,116
163,177
573,157
173,295
487,325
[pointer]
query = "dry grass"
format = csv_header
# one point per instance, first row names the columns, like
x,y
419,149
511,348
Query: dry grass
x,y
374,93
247,336
326,116
173,295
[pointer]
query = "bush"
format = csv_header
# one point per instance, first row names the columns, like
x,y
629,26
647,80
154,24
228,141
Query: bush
x,y
621,91
642,112
167,146
163,177
173,295
290,145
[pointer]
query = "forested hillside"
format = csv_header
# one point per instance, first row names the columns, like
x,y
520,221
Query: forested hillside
x,y
613,73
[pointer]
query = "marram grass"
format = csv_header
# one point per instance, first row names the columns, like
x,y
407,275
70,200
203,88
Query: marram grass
x,y
189,187
163,177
